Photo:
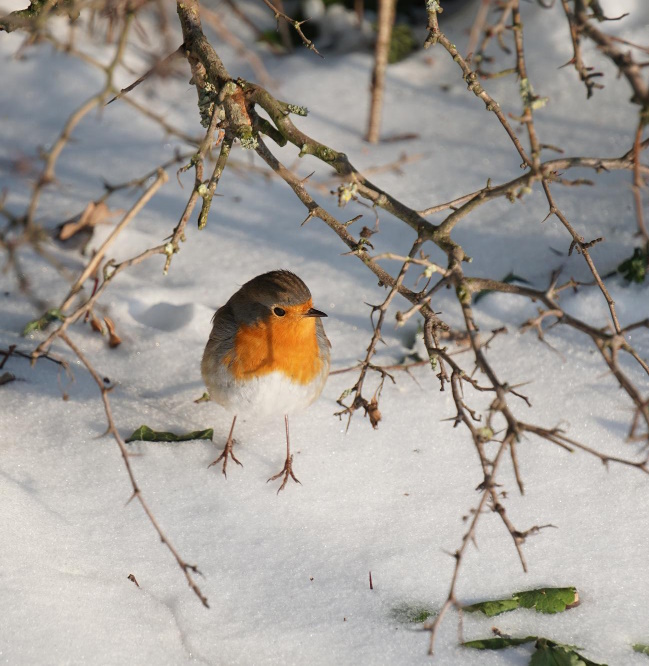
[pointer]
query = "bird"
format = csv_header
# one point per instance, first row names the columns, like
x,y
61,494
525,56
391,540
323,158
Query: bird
x,y
267,354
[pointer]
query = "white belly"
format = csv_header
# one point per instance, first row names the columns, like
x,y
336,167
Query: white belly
x,y
270,394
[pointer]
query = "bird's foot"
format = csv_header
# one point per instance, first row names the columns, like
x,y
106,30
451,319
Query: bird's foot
x,y
226,453
286,471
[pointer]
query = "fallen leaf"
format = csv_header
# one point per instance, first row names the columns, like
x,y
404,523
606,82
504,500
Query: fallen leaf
x,y
491,608
113,339
549,599
145,434
546,653
95,324
93,214
498,643
549,653
543,600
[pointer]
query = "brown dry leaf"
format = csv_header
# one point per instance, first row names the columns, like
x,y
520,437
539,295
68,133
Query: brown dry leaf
x,y
113,339
372,410
96,324
93,214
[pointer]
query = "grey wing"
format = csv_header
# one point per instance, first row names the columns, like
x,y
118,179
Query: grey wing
x,y
323,341
221,341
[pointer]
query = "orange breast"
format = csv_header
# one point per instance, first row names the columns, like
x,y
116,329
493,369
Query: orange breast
x,y
287,344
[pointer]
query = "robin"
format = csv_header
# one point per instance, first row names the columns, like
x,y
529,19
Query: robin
x,y
267,354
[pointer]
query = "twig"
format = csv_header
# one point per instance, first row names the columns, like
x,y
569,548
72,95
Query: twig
x,y
297,25
381,52
188,569
638,181
371,408
160,66
95,261
47,175
468,537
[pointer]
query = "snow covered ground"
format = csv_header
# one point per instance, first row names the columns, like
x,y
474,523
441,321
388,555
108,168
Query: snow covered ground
x,y
287,575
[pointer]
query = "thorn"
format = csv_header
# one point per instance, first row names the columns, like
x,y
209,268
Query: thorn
x,y
306,178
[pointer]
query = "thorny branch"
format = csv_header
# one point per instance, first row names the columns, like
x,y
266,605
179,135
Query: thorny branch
x,y
608,348
297,25
371,407
188,569
93,266
33,235
469,536
284,131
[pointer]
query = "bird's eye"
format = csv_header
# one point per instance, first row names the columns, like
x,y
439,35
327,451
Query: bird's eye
x,y
279,312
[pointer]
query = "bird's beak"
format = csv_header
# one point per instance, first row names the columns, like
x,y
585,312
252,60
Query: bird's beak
x,y
314,313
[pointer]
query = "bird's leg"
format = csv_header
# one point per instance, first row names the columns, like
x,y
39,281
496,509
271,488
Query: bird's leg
x,y
227,451
287,470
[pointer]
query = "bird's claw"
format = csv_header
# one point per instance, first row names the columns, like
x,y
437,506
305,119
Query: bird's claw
x,y
227,452
287,471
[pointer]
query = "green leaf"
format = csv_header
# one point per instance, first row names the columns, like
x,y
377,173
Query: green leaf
x,y
145,434
548,599
41,324
498,643
642,648
491,608
634,269
549,653
543,600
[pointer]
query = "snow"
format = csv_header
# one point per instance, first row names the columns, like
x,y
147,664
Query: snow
x,y
287,576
